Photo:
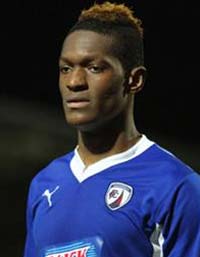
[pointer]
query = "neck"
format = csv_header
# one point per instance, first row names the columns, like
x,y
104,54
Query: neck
x,y
114,137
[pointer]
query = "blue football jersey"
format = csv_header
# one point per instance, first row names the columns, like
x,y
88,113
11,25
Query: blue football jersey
x,y
143,202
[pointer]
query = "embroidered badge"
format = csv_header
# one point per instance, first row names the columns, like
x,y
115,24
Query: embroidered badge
x,y
118,194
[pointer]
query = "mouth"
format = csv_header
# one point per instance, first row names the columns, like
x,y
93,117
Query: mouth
x,y
77,102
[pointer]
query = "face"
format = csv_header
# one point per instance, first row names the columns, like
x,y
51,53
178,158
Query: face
x,y
91,80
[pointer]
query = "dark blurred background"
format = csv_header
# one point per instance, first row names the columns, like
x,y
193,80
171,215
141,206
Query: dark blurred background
x,y
33,129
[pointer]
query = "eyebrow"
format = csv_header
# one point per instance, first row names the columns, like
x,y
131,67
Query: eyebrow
x,y
64,59
85,60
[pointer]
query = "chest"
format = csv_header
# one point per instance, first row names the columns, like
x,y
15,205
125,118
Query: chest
x,y
109,207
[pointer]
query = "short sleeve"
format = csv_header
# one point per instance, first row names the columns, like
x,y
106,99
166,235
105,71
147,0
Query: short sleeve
x,y
182,227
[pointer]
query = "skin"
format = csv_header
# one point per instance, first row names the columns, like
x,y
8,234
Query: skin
x,y
97,99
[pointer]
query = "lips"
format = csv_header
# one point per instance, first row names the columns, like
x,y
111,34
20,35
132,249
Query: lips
x,y
77,102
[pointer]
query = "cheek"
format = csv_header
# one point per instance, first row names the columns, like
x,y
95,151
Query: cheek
x,y
108,88
108,96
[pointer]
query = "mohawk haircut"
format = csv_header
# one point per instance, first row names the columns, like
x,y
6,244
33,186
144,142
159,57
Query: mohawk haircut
x,y
118,22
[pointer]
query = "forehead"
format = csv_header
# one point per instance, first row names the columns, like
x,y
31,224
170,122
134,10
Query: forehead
x,y
83,42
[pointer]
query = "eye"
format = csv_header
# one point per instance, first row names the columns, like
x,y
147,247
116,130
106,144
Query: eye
x,y
96,68
65,69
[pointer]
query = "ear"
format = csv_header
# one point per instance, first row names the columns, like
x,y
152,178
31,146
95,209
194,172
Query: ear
x,y
136,79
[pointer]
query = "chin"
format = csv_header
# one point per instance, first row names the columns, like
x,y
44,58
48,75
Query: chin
x,y
86,127
83,124
79,123
89,126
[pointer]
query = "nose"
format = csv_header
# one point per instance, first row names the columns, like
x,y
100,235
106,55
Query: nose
x,y
77,80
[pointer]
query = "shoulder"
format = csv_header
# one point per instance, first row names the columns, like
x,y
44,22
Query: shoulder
x,y
166,165
165,173
55,166
189,188
173,182
52,174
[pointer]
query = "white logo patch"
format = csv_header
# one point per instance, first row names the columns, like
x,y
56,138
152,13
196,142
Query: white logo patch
x,y
49,194
118,194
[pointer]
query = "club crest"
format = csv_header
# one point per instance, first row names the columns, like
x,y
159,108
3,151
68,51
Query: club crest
x,y
118,194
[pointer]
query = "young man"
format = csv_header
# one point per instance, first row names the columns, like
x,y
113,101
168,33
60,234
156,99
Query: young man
x,y
118,194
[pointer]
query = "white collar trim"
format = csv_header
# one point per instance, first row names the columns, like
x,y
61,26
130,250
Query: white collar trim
x,y
82,173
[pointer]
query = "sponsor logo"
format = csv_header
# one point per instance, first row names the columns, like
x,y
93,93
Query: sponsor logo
x,y
81,252
88,247
118,194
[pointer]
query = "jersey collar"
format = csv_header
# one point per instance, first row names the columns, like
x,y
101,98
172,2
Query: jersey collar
x,y
82,173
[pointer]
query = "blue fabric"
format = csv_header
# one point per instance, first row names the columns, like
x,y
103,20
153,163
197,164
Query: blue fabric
x,y
165,192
